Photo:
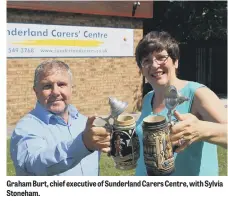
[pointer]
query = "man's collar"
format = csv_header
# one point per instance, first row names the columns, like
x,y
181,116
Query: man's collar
x,y
44,115
73,112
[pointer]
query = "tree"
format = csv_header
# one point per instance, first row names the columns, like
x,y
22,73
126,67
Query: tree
x,y
190,20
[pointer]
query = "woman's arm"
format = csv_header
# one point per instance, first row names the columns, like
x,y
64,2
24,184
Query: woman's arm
x,y
213,114
206,122
215,133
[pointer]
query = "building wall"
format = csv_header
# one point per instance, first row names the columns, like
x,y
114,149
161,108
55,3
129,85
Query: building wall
x,y
95,79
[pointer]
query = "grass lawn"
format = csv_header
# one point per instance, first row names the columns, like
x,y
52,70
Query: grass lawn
x,y
107,167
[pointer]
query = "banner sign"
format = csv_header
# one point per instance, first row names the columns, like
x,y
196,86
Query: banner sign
x,y
39,40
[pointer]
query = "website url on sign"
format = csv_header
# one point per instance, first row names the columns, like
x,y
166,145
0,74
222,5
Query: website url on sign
x,y
74,50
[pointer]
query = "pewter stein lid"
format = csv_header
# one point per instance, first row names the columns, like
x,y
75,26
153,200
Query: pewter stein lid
x,y
117,106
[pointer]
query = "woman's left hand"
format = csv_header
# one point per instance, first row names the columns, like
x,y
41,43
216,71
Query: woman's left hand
x,y
189,129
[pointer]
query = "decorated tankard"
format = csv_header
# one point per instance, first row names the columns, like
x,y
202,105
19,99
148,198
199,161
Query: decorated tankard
x,y
124,143
158,151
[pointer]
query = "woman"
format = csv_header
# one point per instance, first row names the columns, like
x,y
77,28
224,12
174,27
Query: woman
x,y
202,121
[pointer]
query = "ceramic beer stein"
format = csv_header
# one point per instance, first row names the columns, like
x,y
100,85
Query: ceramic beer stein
x,y
124,143
158,152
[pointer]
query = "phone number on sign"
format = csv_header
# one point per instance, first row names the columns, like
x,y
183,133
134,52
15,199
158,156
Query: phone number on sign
x,y
20,50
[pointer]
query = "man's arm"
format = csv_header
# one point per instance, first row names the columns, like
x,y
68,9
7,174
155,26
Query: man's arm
x,y
35,156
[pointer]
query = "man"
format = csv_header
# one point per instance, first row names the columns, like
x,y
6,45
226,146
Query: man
x,y
54,138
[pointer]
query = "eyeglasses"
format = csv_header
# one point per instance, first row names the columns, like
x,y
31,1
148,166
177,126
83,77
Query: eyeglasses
x,y
159,59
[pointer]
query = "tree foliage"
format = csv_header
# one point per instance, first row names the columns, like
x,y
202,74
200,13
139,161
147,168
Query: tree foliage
x,y
190,20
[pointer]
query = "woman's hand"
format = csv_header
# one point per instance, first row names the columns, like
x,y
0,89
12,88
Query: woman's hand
x,y
189,129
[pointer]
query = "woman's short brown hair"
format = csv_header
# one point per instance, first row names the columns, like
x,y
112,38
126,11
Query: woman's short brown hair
x,y
156,41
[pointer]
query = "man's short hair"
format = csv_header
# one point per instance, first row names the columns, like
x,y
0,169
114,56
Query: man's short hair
x,y
48,66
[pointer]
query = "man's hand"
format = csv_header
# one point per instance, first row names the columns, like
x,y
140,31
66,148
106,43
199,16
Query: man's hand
x,y
96,138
